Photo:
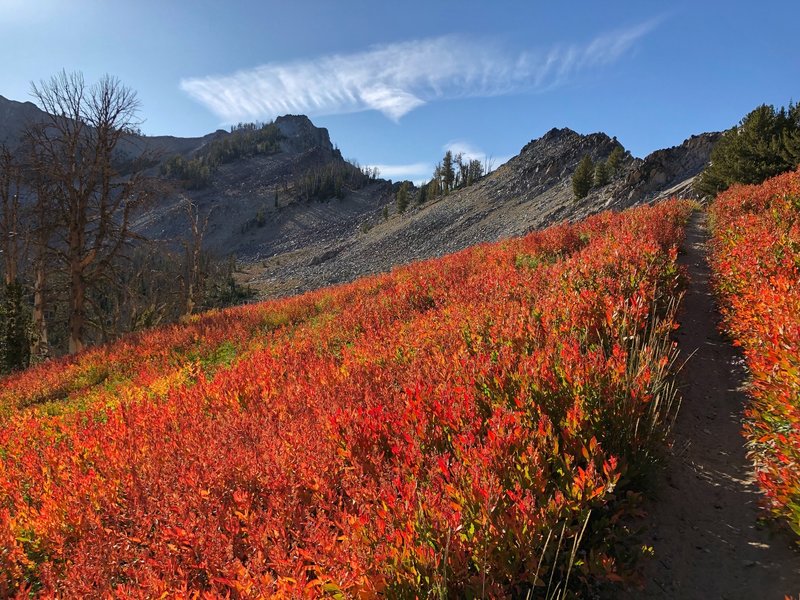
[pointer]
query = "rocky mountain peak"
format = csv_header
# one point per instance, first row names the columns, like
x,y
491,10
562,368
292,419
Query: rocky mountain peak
x,y
557,133
550,160
301,135
547,160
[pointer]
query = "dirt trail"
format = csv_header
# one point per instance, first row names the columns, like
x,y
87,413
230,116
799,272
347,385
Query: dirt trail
x,y
703,524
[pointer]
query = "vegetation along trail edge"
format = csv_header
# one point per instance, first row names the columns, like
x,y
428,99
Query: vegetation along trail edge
x,y
704,524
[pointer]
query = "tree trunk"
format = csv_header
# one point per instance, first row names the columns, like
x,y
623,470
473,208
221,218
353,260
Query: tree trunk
x,y
77,309
194,255
40,347
9,215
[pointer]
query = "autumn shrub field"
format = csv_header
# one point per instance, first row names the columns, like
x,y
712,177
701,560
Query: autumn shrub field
x,y
461,427
756,263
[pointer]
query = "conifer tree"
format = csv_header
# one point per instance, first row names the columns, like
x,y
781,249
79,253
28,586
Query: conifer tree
x,y
422,194
790,137
448,172
765,143
402,197
601,174
475,171
583,177
614,160
14,328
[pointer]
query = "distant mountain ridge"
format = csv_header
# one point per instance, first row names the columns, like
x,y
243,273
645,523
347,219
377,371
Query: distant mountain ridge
x,y
13,118
298,129
289,244
530,191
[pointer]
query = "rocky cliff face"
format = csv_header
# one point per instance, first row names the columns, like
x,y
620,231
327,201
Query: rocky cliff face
x,y
664,173
300,135
254,205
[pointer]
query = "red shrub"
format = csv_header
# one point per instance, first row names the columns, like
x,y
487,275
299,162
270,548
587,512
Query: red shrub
x,y
756,263
448,426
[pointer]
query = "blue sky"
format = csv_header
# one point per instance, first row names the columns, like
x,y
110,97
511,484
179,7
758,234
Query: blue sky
x,y
397,83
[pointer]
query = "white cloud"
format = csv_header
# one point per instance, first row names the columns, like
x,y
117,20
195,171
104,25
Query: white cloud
x,y
421,172
470,152
416,172
397,78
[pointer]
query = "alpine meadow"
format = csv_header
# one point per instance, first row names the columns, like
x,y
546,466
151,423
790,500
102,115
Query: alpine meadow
x,y
371,301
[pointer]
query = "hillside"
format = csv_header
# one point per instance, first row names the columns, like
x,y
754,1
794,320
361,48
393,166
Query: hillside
x,y
300,245
530,191
14,116
241,199
428,431
432,429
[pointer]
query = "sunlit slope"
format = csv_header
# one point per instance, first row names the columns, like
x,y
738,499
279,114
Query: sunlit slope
x,y
445,428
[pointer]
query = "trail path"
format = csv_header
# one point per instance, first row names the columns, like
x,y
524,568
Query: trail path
x,y
704,523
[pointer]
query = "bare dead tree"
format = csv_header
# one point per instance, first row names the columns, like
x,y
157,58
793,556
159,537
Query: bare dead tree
x,y
194,248
11,240
488,164
40,232
92,202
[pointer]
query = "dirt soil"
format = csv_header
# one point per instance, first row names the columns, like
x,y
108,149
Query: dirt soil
x,y
704,523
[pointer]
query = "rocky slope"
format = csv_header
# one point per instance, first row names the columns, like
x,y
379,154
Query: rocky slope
x,y
532,190
664,173
244,217
292,244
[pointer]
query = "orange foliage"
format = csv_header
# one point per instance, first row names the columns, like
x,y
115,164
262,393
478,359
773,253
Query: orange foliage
x,y
756,264
440,427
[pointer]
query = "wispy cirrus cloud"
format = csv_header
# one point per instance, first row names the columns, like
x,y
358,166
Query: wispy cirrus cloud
x,y
397,78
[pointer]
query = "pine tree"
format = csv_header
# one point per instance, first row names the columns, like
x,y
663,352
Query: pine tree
x,y
583,177
448,172
475,171
601,174
614,160
402,197
434,184
422,194
765,143
14,328
790,138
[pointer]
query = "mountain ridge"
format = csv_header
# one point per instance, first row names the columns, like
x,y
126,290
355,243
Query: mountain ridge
x,y
258,210
530,191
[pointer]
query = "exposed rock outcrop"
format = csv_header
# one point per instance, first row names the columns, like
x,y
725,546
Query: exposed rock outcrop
x,y
667,172
300,135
